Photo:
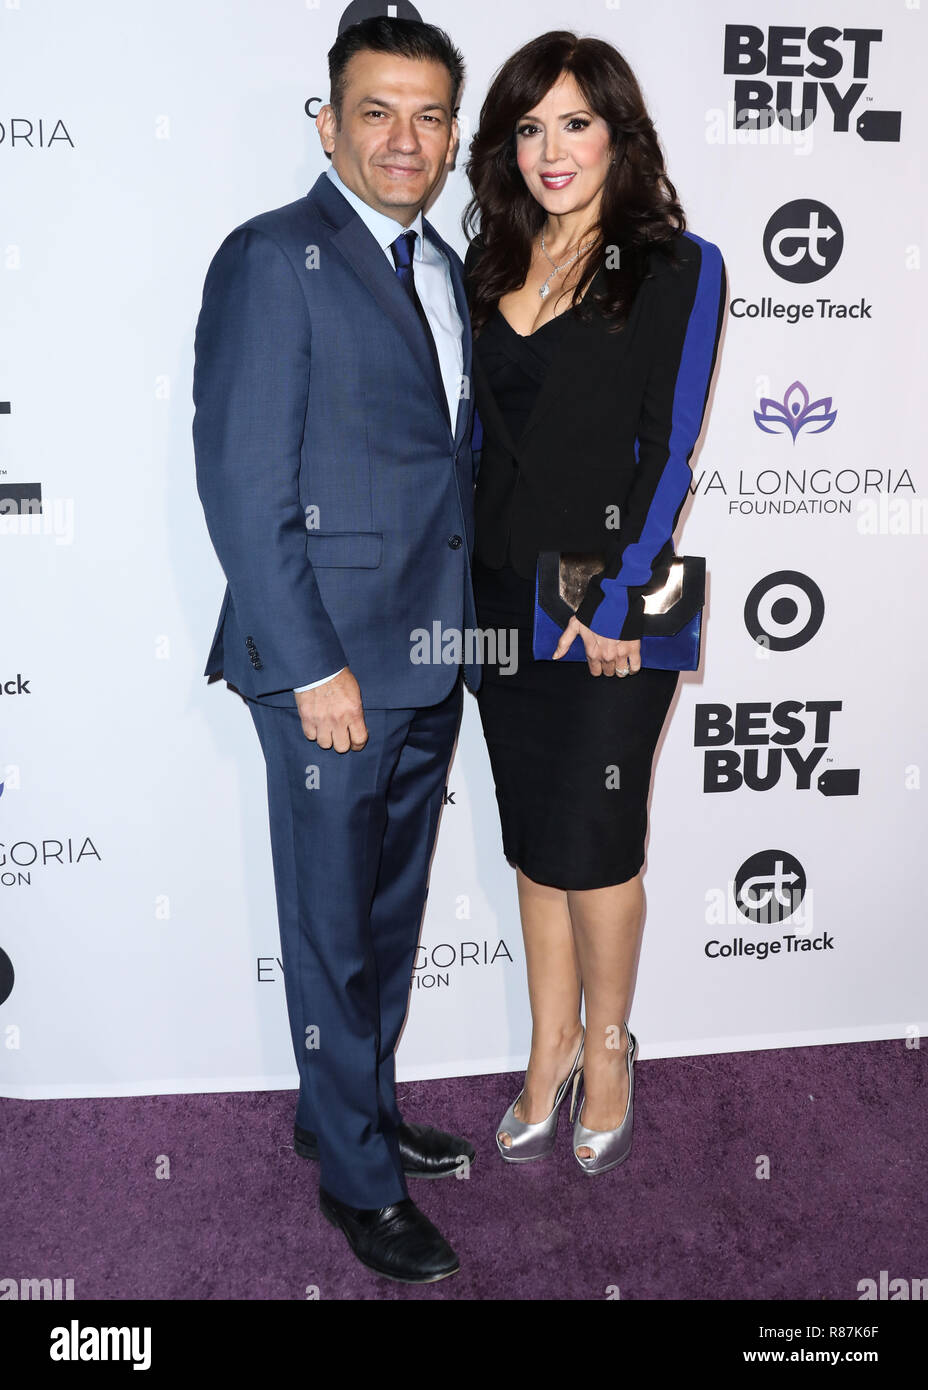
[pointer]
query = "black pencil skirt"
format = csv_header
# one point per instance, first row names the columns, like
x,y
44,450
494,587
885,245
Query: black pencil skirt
x,y
571,753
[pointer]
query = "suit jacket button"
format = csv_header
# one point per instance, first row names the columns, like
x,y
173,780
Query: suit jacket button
x,y
455,542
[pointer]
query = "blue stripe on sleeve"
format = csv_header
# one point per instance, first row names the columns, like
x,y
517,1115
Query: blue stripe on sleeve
x,y
688,406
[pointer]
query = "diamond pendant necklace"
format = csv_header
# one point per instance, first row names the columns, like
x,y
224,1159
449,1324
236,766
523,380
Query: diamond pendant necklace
x,y
546,288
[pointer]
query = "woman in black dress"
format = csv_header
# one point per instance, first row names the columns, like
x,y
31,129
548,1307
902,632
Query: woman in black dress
x,y
596,320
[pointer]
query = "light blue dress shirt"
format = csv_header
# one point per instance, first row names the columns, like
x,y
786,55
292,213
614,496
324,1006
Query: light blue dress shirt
x,y
435,289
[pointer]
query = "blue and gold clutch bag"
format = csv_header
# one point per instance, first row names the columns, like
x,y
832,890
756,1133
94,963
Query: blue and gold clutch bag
x,y
673,603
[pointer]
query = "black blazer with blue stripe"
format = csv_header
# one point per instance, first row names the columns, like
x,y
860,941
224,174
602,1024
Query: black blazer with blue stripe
x,y
603,461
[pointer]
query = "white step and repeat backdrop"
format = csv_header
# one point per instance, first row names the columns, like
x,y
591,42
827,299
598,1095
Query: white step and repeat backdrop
x,y
138,937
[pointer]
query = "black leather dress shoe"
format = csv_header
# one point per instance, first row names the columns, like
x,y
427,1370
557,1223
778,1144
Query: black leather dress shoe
x,y
398,1241
425,1152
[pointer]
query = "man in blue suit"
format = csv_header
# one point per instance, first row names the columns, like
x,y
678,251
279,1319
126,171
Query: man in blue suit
x,y
332,435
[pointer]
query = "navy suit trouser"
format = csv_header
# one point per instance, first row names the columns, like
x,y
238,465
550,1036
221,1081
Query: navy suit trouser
x,y
351,838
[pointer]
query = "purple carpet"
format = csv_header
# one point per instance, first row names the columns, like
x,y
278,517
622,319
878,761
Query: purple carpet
x,y
685,1218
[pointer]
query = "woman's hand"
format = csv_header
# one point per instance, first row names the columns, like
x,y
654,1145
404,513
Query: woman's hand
x,y
604,654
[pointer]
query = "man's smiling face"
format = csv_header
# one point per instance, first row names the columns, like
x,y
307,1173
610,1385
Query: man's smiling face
x,y
397,132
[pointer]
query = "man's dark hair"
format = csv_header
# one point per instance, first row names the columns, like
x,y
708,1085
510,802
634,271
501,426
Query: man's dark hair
x,y
407,38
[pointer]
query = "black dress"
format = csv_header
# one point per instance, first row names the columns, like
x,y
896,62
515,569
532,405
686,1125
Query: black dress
x,y
570,752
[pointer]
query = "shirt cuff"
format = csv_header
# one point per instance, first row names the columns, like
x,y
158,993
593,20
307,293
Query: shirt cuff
x,y
325,679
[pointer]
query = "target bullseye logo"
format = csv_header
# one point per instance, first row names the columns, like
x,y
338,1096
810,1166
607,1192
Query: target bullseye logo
x,y
784,610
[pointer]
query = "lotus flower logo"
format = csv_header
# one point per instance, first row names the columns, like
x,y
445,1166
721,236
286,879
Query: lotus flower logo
x,y
795,412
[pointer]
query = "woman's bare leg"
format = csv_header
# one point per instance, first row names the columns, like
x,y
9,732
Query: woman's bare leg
x,y
554,995
607,930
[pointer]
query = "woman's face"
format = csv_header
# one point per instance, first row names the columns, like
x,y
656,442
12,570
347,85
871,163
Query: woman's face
x,y
564,150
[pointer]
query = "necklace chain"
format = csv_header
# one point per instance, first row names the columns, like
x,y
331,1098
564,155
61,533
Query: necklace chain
x,y
546,288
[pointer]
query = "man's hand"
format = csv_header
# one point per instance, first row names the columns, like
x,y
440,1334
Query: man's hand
x,y
332,715
603,654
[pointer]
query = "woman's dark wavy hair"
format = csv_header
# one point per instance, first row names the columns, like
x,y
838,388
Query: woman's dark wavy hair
x,y
639,208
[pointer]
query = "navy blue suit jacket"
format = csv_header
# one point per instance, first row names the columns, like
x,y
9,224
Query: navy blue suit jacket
x,y
339,501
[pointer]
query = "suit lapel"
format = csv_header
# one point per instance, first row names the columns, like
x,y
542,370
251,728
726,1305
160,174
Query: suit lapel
x,y
352,240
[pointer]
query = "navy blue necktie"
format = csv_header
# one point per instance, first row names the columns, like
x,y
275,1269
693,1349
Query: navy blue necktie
x,y
402,250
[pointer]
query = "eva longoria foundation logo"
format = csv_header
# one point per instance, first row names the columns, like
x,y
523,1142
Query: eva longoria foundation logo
x,y
794,413
33,133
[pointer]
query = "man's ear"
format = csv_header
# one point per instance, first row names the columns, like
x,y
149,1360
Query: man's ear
x,y
453,143
326,126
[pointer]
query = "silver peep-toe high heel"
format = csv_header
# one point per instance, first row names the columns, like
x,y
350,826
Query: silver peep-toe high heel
x,y
537,1140
612,1146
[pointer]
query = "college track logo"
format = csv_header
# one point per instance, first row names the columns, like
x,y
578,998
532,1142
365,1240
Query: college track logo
x,y
768,890
769,887
803,241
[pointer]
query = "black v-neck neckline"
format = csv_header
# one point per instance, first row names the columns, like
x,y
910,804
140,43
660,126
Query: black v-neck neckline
x,y
557,365
526,337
